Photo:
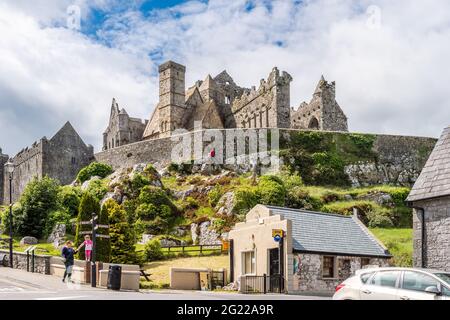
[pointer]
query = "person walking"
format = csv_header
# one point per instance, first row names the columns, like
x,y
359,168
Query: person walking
x,y
68,254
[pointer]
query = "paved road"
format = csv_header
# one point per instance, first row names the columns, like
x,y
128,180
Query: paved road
x,y
20,285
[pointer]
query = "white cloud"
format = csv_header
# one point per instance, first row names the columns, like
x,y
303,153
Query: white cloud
x,y
390,79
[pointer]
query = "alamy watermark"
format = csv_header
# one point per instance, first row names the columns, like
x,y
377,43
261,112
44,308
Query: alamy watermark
x,y
73,20
373,21
230,147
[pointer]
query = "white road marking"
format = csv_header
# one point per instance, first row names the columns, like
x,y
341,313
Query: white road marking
x,y
61,298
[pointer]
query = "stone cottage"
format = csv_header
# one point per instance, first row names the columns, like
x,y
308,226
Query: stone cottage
x,y
430,200
316,253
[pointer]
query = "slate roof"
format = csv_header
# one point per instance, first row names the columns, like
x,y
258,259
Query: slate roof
x,y
434,180
330,233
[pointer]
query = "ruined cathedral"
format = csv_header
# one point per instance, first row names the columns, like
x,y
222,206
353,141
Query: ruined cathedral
x,y
218,103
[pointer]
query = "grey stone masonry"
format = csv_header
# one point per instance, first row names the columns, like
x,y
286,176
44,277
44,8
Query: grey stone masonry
x,y
41,262
60,158
436,241
3,160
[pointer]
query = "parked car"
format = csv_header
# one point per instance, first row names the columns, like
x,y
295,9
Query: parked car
x,y
395,284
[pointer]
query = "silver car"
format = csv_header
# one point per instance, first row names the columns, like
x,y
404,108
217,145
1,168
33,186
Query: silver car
x,y
395,284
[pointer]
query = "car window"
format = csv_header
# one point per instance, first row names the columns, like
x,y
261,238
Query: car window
x,y
444,277
366,276
417,281
445,291
385,279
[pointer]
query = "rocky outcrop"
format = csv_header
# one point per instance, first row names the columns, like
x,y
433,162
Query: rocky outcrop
x,y
226,204
117,196
204,234
28,241
86,184
58,235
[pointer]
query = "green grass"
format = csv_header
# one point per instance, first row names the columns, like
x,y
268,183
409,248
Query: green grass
x,y
160,270
41,247
399,242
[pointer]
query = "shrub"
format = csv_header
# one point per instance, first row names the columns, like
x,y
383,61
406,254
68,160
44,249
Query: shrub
x,y
215,194
379,219
153,250
271,191
94,169
37,201
245,198
299,198
69,198
122,236
291,180
98,189
88,206
57,217
138,181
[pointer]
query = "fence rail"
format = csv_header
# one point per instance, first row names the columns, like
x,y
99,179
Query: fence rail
x,y
193,248
262,284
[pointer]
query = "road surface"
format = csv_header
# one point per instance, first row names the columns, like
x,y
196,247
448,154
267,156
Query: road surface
x,y
21,285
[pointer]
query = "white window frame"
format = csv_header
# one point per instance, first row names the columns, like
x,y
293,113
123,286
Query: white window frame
x,y
253,263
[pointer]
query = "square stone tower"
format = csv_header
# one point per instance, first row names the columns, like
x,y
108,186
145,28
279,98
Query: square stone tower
x,y
171,97
3,160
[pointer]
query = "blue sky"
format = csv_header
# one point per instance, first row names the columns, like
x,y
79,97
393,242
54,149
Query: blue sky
x,y
387,58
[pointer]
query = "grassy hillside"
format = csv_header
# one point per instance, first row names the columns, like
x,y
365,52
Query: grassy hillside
x,y
399,242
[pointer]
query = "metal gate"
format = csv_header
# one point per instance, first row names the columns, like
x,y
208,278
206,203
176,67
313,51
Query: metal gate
x,y
262,284
217,279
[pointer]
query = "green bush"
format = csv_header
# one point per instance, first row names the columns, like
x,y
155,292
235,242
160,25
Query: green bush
x,y
69,198
153,251
88,206
299,198
57,217
215,194
271,191
122,235
245,198
379,219
98,189
37,201
94,169
291,180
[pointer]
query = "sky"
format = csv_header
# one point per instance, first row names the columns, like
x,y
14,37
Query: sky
x,y
65,60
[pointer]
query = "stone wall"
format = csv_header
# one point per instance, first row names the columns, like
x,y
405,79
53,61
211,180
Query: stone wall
x,y
60,158
437,234
3,159
41,262
399,159
308,277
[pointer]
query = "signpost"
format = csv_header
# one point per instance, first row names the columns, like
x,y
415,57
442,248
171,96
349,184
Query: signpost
x,y
94,234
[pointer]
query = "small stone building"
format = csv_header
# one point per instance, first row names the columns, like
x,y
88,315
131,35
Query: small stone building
x,y
318,250
430,200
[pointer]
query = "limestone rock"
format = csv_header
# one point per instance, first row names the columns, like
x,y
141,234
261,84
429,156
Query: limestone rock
x,y
179,232
146,238
207,235
86,184
169,243
233,286
194,233
57,236
226,204
28,241
117,196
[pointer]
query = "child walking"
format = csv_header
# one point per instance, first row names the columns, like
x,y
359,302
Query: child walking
x,y
68,255
87,247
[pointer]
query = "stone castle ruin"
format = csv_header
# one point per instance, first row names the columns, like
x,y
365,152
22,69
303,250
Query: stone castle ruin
x,y
60,158
215,105
219,103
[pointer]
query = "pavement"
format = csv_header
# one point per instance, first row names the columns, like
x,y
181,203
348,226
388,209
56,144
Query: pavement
x,y
21,285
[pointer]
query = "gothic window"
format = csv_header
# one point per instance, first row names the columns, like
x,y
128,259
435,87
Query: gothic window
x,y
227,100
243,124
113,143
74,161
254,121
267,117
249,123
261,119
313,124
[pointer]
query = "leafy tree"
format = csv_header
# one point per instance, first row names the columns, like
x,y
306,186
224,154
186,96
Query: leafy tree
x,y
88,206
121,233
94,169
69,198
37,201
153,250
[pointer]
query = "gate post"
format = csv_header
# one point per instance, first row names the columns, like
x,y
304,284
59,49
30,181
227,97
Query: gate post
x,y
265,283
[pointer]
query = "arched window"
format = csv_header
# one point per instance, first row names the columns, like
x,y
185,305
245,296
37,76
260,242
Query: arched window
x,y
313,124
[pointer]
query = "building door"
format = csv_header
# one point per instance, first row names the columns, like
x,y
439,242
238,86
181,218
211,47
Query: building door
x,y
274,262
275,274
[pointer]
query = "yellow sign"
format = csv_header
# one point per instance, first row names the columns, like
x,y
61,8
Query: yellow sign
x,y
277,233
225,245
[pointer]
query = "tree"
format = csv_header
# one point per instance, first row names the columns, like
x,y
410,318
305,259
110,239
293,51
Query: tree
x,y
103,245
122,236
94,169
37,201
88,206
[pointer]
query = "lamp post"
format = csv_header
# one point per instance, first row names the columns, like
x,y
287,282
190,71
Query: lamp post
x,y
9,168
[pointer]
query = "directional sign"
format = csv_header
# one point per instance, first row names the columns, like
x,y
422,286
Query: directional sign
x,y
86,232
102,236
85,222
